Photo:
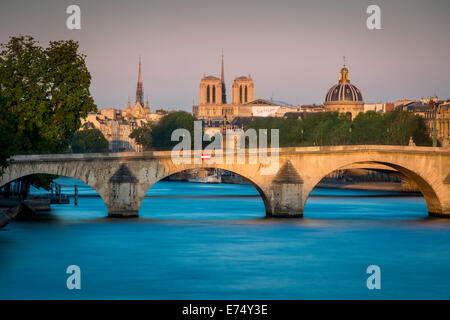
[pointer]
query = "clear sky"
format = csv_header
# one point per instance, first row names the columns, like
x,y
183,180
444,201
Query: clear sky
x,y
293,49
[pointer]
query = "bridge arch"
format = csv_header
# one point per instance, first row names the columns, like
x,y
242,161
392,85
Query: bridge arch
x,y
20,171
166,173
427,187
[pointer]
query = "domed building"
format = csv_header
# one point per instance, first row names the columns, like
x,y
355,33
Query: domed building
x,y
344,97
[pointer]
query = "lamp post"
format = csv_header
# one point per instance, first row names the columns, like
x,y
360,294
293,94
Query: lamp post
x,y
350,131
387,135
433,108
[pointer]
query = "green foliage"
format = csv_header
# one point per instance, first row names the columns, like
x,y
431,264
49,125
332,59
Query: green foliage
x,y
44,92
369,128
289,129
91,140
324,128
43,180
7,136
332,128
401,125
162,132
327,129
143,136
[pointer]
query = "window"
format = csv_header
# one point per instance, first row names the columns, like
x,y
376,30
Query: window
x,y
240,94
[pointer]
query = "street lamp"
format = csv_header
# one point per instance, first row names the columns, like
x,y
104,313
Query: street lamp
x,y
350,131
433,108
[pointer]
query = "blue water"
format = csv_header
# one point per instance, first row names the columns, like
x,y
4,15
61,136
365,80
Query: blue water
x,y
196,241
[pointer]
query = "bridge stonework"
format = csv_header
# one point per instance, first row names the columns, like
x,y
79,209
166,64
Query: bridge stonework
x,y
122,179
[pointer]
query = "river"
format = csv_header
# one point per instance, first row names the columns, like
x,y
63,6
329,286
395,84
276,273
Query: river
x,y
197,241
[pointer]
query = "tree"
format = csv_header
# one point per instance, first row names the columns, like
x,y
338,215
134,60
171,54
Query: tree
x,y
332,128
401,125
324,128
289,129
7,136
162,132
327,128
143,136
369,128
45,93
91,140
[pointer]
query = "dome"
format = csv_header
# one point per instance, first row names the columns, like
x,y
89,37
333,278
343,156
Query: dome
x,y
344,91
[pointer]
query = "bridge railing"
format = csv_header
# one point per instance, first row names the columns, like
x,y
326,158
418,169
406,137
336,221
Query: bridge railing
x,y
287,150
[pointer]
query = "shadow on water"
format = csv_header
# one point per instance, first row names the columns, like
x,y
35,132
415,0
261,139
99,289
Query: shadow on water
x,y
243,205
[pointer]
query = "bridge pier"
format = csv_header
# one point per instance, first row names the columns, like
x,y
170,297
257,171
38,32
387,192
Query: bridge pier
x,y
122,199
443,213
284,195
285,201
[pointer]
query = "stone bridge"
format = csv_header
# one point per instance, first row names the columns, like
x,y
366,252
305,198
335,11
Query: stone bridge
x,y
122,179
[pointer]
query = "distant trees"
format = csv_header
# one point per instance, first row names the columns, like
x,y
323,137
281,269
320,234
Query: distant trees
x,y
159,136
401,125
326,129
332,128
369,128
143,136
91,140
392,128
322,128
316,129
290,129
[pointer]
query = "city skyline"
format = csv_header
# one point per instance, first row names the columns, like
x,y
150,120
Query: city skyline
x,y
292,50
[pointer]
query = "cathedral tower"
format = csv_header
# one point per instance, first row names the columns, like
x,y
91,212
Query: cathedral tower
x,y
243,90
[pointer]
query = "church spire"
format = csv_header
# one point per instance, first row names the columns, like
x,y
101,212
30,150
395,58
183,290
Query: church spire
x,y
147,106
222,79
222,75
128,109
140,88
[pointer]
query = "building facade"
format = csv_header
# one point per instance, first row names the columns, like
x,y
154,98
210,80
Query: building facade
x,y
431,109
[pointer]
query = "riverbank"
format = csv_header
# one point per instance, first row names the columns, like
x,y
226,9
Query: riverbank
x,y
371,186
13,208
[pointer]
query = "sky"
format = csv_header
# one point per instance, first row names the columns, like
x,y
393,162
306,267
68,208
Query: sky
x,y
293,49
